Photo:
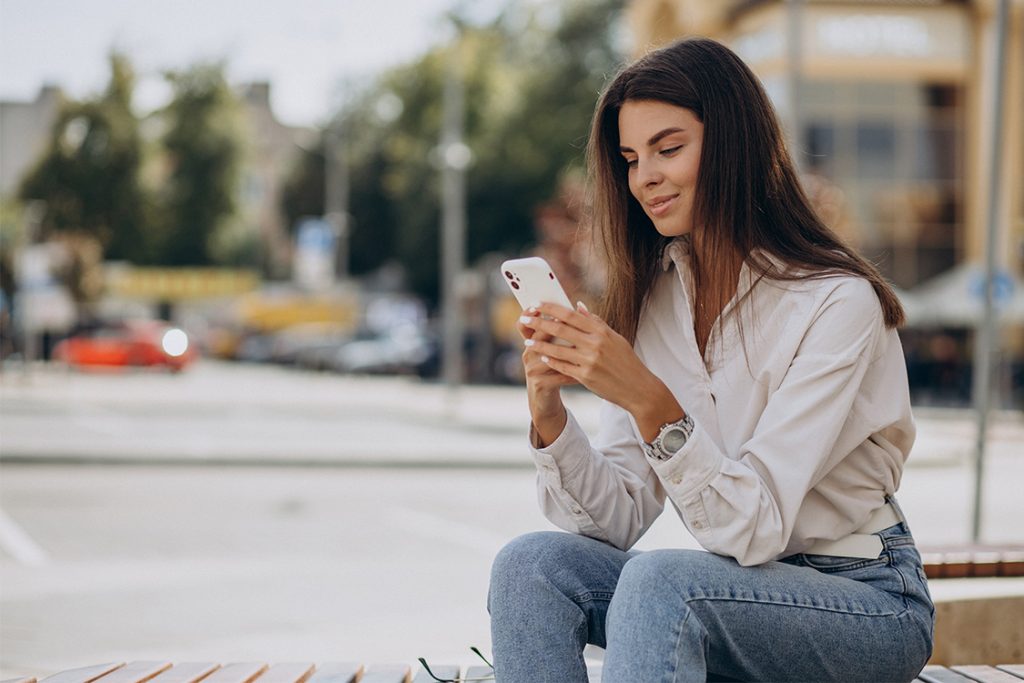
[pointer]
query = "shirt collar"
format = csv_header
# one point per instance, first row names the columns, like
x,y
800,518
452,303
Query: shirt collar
x,y
677,252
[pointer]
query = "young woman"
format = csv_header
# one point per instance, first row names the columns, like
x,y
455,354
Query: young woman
x,y
752,375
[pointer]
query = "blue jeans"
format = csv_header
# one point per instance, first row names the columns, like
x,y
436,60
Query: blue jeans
x,y
689,615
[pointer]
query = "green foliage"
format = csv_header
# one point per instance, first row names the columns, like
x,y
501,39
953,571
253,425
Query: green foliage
x,y
89,176
89,179
530,87
204,151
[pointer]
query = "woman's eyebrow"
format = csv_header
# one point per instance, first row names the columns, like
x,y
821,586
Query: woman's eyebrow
x,y
655,138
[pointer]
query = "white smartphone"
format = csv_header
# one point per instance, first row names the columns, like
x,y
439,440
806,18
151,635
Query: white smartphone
x,y
533,282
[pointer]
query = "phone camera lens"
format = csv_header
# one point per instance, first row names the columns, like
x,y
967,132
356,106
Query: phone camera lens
x,y
508,275
514,285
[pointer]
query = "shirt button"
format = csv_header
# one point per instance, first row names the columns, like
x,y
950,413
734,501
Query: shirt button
x,y
698,525
677,480
576,510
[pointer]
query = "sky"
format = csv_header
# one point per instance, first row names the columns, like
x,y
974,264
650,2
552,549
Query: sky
x,y
307,49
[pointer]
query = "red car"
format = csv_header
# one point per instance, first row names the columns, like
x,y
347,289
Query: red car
x,y
140,343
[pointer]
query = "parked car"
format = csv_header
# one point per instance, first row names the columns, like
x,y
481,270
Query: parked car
x,y
138,343
400,351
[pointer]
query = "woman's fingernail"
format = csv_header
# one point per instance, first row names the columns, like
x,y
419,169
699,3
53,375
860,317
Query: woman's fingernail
x,y
526,320
545,359
582,306
531,309
529,342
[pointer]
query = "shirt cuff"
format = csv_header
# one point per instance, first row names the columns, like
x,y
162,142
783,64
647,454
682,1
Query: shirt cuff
x,y
687,473
564,456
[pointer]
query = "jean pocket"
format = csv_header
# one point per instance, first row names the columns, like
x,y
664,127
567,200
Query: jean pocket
x,y
830,564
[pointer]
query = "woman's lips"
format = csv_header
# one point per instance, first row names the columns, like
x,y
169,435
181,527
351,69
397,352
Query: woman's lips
x,y
659,206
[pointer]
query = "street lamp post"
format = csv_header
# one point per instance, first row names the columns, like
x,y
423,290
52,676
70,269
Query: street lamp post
x,y
454,158
336,191
985,332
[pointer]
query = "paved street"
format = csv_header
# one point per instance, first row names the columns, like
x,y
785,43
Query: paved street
x,y
119,539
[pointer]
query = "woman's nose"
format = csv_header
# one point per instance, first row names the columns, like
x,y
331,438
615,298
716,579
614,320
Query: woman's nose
x,y
648,174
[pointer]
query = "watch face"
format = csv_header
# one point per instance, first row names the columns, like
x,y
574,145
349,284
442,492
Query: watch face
x,y
673,440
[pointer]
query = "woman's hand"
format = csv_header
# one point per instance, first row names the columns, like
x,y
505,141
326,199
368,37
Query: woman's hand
x,y
603,361
543,385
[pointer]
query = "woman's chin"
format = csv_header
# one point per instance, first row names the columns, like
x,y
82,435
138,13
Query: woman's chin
x,y
672,230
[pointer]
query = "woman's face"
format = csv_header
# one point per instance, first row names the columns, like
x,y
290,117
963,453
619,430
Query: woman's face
x,y
661,145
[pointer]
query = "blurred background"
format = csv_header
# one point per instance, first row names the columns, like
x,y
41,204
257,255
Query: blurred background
x,y
259,383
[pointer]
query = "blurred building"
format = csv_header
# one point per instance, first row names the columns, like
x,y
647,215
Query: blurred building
x,y
24,132
891,106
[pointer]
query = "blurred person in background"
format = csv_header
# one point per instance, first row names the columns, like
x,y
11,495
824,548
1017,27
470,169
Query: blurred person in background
x,y
752,375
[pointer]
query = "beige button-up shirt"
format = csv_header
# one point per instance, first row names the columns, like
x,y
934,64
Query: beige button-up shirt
x,y
803,422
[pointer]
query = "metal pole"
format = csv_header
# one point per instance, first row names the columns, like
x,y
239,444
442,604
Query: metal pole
x,y
795,19
985,332
336,190
454,158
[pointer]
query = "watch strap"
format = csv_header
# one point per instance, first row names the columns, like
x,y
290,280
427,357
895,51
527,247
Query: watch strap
x,y
656,449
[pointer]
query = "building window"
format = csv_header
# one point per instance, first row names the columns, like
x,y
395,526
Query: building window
x,y
894,150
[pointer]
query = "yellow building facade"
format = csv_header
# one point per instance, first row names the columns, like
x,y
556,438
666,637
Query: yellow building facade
x,y
889,108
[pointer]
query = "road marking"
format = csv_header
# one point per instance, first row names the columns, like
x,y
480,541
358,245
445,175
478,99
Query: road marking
x,y
19,544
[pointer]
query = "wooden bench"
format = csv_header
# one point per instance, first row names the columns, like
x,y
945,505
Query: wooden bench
x,y
964,561
1007,673
340,672
253,672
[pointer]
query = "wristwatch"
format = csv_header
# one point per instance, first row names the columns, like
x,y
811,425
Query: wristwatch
x,y
671,438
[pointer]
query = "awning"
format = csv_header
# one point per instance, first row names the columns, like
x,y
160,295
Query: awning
x,y
956,298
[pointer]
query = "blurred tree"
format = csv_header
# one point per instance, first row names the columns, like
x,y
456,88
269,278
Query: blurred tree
x,y
203,148
563,63
531,79
88,178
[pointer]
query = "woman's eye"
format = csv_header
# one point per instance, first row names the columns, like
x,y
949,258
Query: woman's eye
x,y
631,163
671,150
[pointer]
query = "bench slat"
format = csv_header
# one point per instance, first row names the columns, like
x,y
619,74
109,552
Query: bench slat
x,y
287,673
1014,669
952,562
136,672
387,673
336,672
85,674
238,672
441,671
186,672
986,674
940,674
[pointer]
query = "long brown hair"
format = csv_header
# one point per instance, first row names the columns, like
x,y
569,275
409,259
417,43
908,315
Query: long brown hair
x,y
748,194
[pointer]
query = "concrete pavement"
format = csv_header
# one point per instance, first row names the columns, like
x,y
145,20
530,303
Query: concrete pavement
x,y
229,413
219,412
223,413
